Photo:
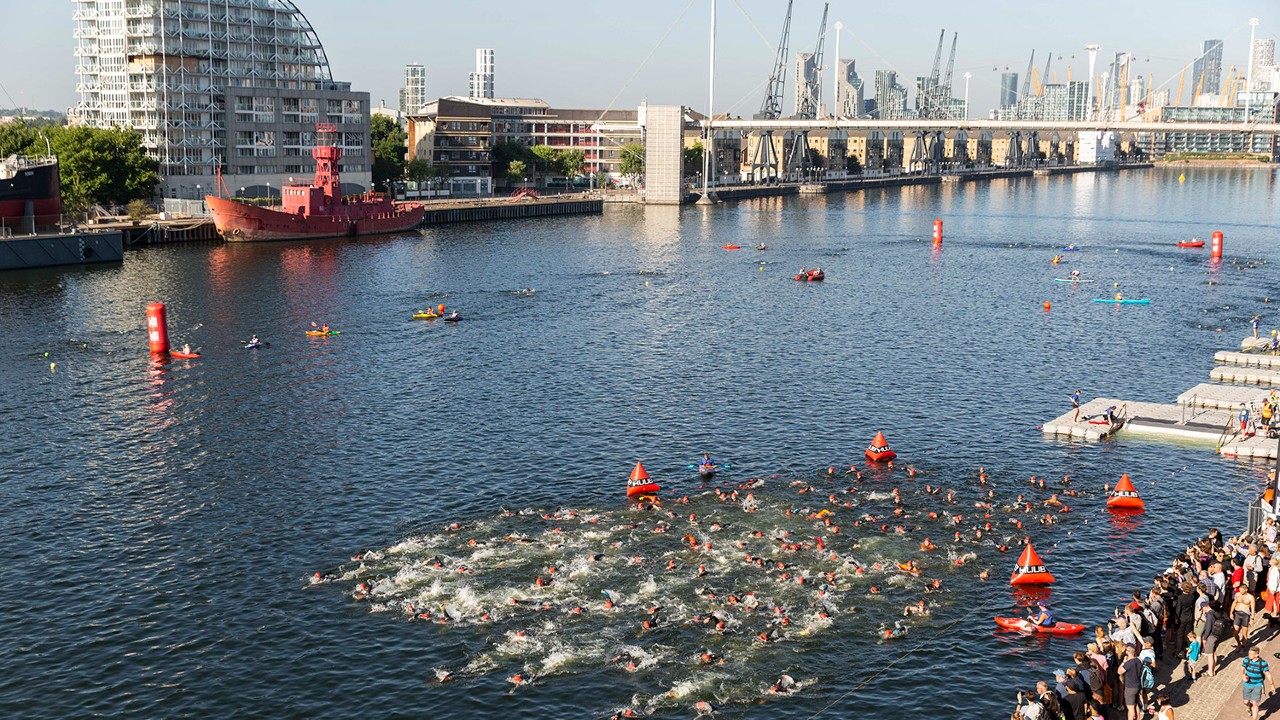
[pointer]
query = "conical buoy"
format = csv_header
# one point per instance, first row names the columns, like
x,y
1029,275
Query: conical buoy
x,y
879,450
638,483
1125,496
1030,569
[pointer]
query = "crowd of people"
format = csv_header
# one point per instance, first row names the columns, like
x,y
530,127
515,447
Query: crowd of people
x,y
1206,606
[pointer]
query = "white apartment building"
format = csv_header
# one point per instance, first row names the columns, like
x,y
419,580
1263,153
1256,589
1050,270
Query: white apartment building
x,y
481,81
235,85
413,95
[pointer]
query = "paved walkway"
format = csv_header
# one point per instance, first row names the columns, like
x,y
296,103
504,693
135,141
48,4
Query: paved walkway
x,y
1218,697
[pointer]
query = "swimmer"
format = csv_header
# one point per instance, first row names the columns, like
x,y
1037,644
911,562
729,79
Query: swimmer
x,y
917,609
784,686
702,707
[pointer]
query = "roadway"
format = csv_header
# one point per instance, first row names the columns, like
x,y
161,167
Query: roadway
x,y
976,125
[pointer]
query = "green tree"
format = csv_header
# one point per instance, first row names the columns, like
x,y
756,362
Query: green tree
x,y
107,166
419,170
504,153
631,162
515,171
544,158
853,165
693,158
139,210
572,162
388,141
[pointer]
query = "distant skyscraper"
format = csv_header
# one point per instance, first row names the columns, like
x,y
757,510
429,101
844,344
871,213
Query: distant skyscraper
x,y
414,93
848,90
891,98
1208,69
806,88
1008,89
1262,58
482,79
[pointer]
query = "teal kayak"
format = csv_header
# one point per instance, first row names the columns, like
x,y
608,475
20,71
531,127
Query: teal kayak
x,y
1143,301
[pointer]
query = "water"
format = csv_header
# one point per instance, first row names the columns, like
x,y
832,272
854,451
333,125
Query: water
x,y
161,524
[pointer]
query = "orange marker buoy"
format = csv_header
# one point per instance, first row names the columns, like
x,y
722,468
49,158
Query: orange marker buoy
x,y
879,450
157,329
1215,249
1046,305
638,483
1030,569
937,233
1125,496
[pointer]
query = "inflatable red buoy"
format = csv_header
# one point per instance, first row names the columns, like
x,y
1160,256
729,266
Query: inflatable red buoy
x,y
639,484
1030,569
1125,496
879,450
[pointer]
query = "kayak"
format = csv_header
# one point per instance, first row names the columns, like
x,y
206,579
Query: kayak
x,y
251,346
323,333
1071,248
425,316
1143,301
731,247
1061,628
1072,280
453,319
708,471
812,276
1191,243
182,355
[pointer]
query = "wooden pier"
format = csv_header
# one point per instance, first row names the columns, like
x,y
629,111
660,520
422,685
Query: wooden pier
x,y
1208,412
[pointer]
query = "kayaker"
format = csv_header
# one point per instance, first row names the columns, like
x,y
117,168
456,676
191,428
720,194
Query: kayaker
x,y
1043,618
186,348
707,460
1119,296
454,315
325,328
254,340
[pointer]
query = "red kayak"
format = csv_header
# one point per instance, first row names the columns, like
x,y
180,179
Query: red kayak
x,y
183,356
812,276
731,247
1061,628
1191,243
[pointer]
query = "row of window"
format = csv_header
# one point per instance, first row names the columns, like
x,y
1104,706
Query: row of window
x,y
294,169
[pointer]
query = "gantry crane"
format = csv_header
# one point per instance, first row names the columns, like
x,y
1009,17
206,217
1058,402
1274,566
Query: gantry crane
x,y
764,164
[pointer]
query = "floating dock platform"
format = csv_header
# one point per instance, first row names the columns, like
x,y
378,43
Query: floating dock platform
x,y
1208,412
53,249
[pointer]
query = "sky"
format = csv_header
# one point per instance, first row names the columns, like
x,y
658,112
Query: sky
x,y
606,53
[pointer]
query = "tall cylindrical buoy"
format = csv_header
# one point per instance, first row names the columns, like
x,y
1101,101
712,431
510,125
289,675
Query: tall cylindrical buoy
x,y
937,233
157,329
1215,251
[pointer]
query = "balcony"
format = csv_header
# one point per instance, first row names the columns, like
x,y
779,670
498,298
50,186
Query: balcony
x,y
141,11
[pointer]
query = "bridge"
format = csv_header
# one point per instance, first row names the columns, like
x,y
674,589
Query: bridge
x,y
977,125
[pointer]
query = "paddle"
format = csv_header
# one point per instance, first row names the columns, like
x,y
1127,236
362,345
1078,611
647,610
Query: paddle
x,y
721,466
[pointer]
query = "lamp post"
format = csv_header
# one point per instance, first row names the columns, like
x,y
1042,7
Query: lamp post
x,y
268,193
1248,83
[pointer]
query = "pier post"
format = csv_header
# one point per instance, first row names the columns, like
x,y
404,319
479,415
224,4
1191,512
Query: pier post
x,y
157,329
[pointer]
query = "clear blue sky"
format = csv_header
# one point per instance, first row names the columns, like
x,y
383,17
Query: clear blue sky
x,y
582,54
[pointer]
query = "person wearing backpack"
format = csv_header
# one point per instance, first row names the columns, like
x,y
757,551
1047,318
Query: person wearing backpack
x,y
1131,675
1147,680
1254,671
1209,628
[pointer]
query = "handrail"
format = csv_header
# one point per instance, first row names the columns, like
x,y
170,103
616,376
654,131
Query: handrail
x,y
1222,437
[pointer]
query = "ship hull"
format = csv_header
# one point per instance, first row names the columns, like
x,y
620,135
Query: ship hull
x,y
30,195
240,222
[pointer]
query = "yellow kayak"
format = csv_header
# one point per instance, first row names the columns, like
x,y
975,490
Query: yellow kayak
x,y
425,315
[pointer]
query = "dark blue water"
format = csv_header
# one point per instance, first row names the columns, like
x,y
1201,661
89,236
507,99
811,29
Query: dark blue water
x,y
160,524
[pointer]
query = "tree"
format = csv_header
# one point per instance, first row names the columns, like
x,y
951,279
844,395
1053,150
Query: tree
x,y
693,157
388,141
419,170
853,165
631,162
515,171
105,166
572,162
545,157
504,153
139,210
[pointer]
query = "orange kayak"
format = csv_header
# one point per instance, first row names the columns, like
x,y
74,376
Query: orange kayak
x,y
1008,623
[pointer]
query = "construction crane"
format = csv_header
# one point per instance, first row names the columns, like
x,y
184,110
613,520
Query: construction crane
x,y
766,157
799,159
1045,77
1181,79
1026,79
945,95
